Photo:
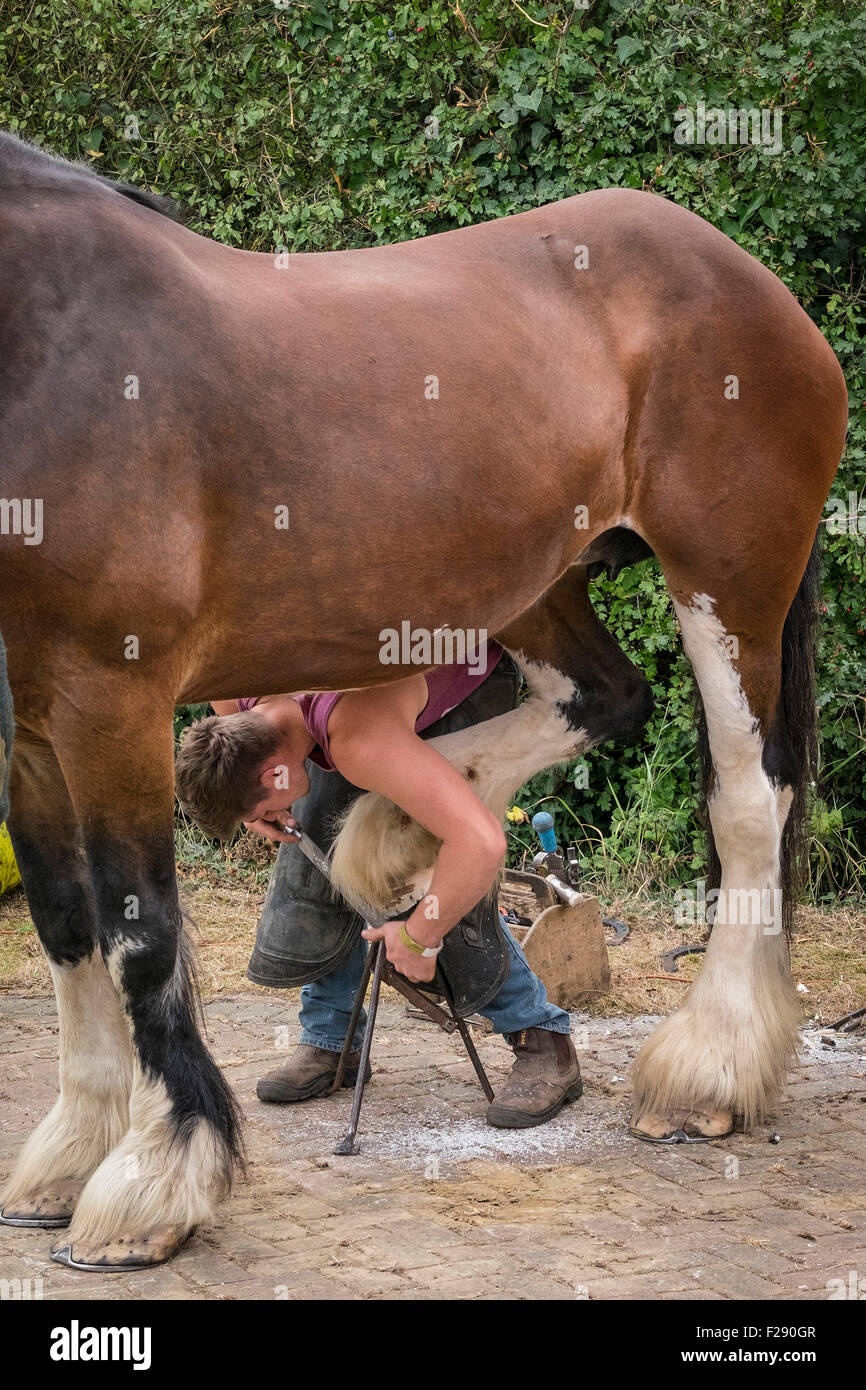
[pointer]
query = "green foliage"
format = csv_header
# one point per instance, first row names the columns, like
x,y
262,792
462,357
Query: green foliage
x,y
338,123
186,714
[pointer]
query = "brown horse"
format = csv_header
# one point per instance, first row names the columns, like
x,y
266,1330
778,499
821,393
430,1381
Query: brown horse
x,y
248,466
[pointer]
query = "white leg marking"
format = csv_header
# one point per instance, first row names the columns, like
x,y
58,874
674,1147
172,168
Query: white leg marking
x,y
728,1047
379,847
506,751
95,1079
154,1177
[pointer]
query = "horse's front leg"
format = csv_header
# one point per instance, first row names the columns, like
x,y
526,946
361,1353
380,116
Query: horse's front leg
x,y
91,1114
177,1156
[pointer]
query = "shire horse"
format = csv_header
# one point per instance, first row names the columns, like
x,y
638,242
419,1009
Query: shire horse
x,y
433,418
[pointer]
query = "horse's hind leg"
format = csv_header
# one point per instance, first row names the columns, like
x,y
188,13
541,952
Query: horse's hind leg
x,y
583,690
725,1051
176,1157
95,1060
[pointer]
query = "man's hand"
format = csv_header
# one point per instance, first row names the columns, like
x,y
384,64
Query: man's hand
x,y
414,967
272,829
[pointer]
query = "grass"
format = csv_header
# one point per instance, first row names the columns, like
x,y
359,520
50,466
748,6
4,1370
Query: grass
x,y
248,856
651,843
223,893
648,840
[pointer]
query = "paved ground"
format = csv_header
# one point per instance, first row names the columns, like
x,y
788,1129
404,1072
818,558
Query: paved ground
x,y
437,1205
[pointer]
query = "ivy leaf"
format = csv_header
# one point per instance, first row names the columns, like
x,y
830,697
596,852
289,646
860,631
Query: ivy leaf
x,y
627,47
528,101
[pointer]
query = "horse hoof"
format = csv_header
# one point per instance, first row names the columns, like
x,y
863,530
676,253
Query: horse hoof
x,y
47,1209
683,1127
123,1253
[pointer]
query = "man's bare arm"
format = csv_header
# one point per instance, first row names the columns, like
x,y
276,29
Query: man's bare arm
x,y
382,753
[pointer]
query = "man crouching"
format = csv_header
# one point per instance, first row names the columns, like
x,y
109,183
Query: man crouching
x,y
289,759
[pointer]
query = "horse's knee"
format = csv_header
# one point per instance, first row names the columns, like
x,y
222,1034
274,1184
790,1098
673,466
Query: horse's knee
x,y
45,837
745,813
60,899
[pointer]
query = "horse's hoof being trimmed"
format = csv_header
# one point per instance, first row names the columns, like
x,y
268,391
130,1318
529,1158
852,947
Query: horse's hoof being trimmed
x,y
686,1127
123,1254
48,1209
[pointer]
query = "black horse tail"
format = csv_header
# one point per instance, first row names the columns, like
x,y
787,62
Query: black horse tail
x,y
792,743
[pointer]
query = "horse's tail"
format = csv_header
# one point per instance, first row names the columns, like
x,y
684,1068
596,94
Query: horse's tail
x,y
797,719
799,710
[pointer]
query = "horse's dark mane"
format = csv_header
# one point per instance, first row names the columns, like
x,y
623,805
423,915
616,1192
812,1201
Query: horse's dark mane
x,y
25,165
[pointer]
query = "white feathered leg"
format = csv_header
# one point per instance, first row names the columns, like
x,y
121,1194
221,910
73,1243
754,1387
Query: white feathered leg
x,y
92,1113
726,1050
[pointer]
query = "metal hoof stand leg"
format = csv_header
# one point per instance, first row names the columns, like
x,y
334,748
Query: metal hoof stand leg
x,y
473,1055
382,972
378,967
347,1144
353,1022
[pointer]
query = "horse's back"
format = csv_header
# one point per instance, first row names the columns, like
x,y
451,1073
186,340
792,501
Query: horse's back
x,y
572,354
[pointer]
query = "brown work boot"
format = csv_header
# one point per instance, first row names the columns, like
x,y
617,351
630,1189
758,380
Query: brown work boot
x,y
309,1073
545,1076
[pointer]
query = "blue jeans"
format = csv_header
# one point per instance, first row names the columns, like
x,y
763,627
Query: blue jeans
x,y
522,1002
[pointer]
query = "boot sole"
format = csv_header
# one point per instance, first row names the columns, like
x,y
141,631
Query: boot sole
x,y
319,1087
514,1119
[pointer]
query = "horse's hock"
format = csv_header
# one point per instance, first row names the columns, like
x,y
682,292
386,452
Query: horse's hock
x,y
564,943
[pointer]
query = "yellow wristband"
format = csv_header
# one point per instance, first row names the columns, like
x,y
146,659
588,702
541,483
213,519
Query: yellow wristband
x,y
415,946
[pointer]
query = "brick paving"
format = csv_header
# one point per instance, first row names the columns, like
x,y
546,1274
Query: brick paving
x,y
439,1206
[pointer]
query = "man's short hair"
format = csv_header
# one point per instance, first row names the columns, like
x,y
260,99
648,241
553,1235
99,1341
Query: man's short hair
x,y
219,766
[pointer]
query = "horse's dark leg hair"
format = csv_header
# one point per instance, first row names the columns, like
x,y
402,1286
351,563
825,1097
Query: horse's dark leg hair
x,y
48,848
91,1114
184,1140
791,750
611,698
705,787
151,961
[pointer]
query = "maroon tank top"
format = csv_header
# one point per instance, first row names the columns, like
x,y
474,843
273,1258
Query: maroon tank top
x,y
447,687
